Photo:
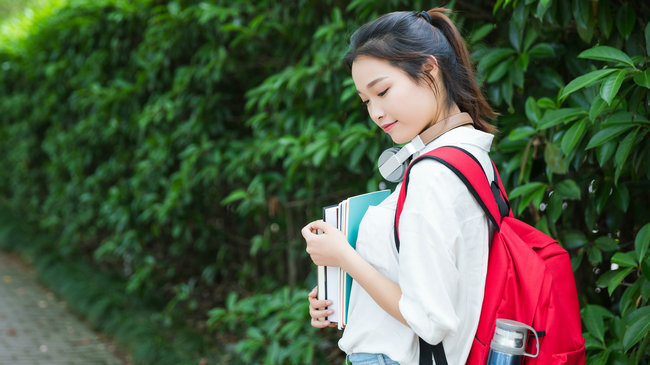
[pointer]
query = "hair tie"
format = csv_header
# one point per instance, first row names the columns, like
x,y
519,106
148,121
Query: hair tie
x,y
425,16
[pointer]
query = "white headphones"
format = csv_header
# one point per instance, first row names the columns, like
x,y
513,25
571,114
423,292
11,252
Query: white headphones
x,y
393,162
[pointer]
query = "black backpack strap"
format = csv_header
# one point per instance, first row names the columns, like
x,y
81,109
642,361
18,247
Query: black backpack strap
x,y
429,351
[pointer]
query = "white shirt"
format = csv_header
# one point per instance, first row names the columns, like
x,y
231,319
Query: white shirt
x,y
441,265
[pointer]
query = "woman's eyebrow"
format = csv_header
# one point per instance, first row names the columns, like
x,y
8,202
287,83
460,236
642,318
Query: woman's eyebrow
x,y
373,82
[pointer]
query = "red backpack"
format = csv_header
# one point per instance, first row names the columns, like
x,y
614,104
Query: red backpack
x,y
529,276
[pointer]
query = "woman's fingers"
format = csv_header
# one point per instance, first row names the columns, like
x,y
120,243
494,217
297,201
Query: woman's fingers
x,y
319,312
310,230
313,293
314,227
320,324
315,304
318,309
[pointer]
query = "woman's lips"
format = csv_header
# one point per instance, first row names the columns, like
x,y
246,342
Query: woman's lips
x,y
388,126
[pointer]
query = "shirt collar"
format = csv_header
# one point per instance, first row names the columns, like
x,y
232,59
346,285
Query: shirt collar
x,y
460,136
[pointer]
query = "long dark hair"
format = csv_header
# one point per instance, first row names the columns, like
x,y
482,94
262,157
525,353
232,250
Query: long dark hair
x,y
407,39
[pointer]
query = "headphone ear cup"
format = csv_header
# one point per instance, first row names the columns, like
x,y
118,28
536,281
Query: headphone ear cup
x,y
396,175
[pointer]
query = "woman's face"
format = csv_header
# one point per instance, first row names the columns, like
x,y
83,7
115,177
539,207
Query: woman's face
x,y
397,104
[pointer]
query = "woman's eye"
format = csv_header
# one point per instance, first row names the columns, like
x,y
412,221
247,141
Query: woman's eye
x,y
383,92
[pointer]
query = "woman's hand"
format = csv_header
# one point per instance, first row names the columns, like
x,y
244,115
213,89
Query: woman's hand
x,y
316,310
328,248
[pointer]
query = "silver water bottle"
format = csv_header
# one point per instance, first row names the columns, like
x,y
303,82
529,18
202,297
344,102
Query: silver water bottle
x,y
508,346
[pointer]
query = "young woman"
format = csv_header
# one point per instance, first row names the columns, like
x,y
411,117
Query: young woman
x,y
412,70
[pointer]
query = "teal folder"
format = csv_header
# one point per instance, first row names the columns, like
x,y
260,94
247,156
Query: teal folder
x,y
354,212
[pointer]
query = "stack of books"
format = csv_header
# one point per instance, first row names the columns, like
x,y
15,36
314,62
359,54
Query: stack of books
x,y
334,283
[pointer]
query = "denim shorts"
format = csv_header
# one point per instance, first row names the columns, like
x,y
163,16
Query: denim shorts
x,y
369,359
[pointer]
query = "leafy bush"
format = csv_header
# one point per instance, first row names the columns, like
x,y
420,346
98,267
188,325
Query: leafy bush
x,y
283,337
183,144
577,151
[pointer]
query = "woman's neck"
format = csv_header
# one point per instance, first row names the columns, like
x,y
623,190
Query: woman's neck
x,y
452,110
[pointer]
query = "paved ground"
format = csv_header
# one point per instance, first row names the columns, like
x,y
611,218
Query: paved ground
x,y
37,329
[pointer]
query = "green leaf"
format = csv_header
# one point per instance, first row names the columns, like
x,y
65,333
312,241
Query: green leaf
x,y
564,115
639,322
235,196
595,255
494,94
643,78
537,196
515,36
481,33
621,197
546,103
606,53
627,304
573,136
606,243
522,62
496,73
521,133
625,20
531,36
642,241
493,57
555,160
645,269
601,358
586,33
610,86
532,110
573,239
607,134
534,198
623,151
605,20
620,118
582,12
568,189
593,317
357,154
542,50
507,90
526,189
519,14
603,193
576,261
554,209
516,74
617,278
542,225
542,7
597,107
585,80
624,259
529,192
497,5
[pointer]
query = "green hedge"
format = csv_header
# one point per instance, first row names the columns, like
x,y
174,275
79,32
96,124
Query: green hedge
x,y
183,144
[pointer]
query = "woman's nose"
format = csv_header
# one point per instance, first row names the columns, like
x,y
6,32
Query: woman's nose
x,y
376,112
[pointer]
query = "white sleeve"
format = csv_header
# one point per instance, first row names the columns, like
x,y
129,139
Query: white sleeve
x,y
429,230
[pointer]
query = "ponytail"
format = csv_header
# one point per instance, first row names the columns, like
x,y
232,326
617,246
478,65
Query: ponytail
x,y
469,97
408,39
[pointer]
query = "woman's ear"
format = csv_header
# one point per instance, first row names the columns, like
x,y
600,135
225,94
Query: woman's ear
x,y
431,67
